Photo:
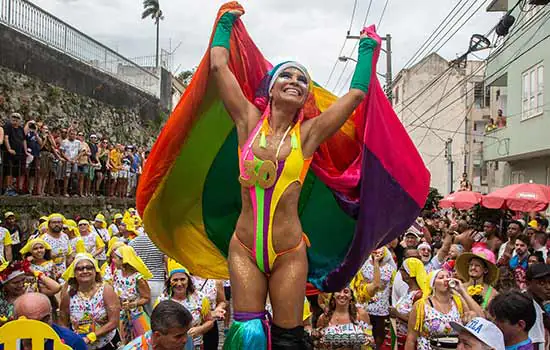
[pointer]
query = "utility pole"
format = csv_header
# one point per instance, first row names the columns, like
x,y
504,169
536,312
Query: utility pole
x,y
387,51
389,78
450,163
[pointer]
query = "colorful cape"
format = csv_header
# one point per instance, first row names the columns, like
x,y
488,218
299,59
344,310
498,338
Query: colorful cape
x,y
367,184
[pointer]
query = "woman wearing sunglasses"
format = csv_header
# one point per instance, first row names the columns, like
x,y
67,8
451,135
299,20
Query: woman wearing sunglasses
x,y
89,306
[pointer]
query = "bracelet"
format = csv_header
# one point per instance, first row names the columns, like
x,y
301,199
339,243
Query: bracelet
x,y
91,337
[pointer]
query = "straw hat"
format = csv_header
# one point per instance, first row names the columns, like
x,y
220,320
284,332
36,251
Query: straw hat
x,y
481,253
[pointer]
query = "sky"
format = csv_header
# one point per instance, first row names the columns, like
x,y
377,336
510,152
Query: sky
x,y
309,31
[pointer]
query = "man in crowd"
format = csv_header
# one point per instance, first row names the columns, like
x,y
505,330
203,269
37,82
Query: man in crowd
x,y
34,144
62,253
71,150
514,314
538,287
491,235
478,334
16,234
36,306
170,322
16,154
5,245
154,259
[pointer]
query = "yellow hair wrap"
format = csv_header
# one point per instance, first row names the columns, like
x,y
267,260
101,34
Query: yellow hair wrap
x,y
28,247
101,218
83,221
130,257
56,216
175,267
114,244
69,273
415,268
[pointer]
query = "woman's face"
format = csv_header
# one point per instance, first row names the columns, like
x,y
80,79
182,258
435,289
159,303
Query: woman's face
x,y
16,287
441,283
84,271
343,297
404,275
117,260
291,87
84,229
38,251
179,282
476,268
378,253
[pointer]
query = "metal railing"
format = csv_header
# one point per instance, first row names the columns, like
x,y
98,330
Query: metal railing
x,y
40,25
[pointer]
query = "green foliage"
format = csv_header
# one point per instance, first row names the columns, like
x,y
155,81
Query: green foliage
x,y
433,200
54,93
151,8
186,76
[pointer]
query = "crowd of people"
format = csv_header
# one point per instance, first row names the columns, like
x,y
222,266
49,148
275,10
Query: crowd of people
x,y
443,284
41,161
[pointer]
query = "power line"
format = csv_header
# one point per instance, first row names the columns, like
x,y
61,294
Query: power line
x,y
353,49
344,44
411,60
383,13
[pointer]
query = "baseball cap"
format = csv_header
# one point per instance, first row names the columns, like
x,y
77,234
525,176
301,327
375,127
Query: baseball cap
x,y
537,271
485,331
412,233
118,216
8,214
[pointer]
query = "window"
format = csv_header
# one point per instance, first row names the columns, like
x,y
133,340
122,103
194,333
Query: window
x,y
396,96
479,97
517,177
487,96
532,92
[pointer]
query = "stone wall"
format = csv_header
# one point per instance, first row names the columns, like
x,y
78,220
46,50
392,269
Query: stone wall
x,y
55,106
29,209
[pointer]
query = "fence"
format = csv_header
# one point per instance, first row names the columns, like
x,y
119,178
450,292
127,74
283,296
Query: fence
x,y
38,24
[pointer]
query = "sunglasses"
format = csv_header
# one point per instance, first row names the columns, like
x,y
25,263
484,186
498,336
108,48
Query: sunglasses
x,y
84,268
82,225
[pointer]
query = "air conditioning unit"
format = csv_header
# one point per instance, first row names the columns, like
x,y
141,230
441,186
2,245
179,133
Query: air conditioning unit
x,y
539,2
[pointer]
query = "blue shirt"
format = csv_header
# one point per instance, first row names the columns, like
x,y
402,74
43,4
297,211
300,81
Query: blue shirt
x,y
67,336
524,345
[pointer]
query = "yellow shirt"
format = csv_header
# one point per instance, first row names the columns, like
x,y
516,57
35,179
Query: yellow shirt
x,y
116,159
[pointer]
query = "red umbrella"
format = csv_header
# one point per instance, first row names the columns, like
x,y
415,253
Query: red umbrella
x,y
461,200
521,197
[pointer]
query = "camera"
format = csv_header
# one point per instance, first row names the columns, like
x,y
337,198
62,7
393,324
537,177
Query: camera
x,y
32,126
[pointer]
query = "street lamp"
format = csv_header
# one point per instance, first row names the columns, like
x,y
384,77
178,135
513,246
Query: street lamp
x,y
345,59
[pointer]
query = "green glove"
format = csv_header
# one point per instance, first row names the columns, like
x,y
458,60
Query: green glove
x,y
223,30
363,69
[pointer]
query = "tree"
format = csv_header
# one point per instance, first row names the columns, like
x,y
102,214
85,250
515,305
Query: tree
x,y
151,8
186,76
433,199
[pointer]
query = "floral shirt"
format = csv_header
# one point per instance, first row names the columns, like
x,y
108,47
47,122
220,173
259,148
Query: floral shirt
x,y
92,241
47,268
379,305
194,304
87,315
208,289
6,310
404,306
437,324
61,249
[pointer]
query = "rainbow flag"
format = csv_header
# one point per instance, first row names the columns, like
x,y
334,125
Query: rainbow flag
x,y
366,186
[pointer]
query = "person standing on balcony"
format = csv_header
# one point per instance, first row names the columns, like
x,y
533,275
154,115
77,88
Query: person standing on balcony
x,y
501,119
16,150
83,161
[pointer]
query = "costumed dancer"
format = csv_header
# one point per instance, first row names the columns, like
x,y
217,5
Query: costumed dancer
x,y
251,132
276,146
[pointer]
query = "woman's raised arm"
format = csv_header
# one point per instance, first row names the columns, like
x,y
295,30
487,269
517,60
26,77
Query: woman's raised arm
x,y
330,121
233,98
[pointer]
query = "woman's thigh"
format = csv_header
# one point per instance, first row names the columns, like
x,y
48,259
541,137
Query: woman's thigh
x,y
248,283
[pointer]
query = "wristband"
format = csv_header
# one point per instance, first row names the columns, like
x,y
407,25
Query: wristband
x,y
363,69
223,30
91,337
